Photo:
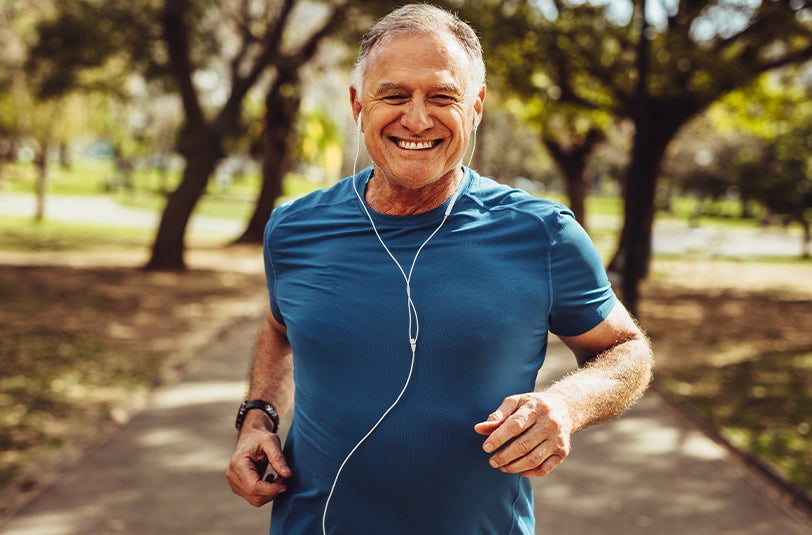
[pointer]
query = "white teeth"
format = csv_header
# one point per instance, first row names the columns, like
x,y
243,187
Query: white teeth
x,y
411,145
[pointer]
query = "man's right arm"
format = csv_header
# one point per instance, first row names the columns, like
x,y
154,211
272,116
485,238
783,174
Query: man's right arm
x,y
271,379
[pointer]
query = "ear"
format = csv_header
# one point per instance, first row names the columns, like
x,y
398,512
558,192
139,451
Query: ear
x,y
479,104
355,103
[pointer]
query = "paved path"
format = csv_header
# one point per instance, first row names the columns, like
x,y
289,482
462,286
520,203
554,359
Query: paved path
x,y
649,472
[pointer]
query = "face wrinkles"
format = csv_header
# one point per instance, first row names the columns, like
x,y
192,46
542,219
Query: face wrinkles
x,y
402,95
418,114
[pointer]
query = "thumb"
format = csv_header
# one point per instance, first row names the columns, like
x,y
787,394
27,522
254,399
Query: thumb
x,y
487,427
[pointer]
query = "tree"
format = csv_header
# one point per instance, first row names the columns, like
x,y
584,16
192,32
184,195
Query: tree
x,y
282,103
699,51
259,38
182,42
529,64
703,51
25,116
778,172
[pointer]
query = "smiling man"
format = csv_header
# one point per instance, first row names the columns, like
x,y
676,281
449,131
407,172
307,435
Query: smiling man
x,y
410,307
418,98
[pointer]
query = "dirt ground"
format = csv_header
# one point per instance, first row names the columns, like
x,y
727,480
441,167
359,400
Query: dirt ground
x,y
111,332
735,308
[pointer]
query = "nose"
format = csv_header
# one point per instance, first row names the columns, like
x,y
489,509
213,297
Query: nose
x,y
416,117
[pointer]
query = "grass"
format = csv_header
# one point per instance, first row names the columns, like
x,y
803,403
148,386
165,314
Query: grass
x,y
25,235
742,357
762,405
81,346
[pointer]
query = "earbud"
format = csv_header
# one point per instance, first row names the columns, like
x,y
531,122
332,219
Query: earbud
x,y
360,123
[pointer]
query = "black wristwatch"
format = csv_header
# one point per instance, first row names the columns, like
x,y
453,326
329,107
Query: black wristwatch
x,y
262,405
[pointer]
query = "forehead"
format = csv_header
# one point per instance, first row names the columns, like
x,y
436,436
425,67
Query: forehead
x,y
418,59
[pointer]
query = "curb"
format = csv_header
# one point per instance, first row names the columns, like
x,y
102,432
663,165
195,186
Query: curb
x,y
793,500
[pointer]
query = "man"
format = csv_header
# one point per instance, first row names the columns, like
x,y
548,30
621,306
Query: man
x,y
415,299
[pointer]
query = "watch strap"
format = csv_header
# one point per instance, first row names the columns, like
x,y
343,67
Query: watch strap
x,y
260,404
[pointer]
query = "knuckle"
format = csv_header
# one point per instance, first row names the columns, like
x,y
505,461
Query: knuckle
x,y
516,425
556,422
544,470
524,447
537,458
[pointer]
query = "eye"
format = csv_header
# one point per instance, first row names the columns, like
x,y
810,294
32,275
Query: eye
x,y
443,100
395,99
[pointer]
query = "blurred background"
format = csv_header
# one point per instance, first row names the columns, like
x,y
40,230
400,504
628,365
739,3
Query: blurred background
x,y
143,145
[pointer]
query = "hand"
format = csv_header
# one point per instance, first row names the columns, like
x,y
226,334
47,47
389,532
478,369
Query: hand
x,y
533,431
256,448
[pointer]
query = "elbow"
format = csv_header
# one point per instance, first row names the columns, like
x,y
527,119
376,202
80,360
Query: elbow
x,y
643,365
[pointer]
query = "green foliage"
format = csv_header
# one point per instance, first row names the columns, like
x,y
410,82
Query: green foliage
x,y
762,406
542,64
93,45
772,123
24,235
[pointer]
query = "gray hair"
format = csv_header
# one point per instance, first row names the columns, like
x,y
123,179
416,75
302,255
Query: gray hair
x,y
422,19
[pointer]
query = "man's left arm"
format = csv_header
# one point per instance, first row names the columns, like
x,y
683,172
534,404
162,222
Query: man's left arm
x,y
529,434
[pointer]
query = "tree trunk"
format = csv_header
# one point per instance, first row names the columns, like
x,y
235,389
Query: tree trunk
x,y
807,237
41,163
639,197
169,246
281,109
572,163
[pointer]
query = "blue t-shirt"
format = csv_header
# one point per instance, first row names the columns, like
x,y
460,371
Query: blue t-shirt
x,y
503,270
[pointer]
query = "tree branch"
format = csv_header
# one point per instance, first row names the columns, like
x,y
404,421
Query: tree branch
x,y
309,48
176,36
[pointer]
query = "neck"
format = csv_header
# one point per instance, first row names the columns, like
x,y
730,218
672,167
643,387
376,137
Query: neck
x,y
389,198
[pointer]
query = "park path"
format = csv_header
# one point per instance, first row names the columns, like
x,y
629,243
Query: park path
x,y
650,472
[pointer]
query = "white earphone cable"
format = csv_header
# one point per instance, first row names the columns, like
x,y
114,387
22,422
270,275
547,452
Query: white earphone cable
x,y
414,322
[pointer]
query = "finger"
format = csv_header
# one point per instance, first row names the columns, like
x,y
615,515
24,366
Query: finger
x,y
278,461
261,492
523,456
248,466
552,462
507,408
487,427
516,424
245,481
496,418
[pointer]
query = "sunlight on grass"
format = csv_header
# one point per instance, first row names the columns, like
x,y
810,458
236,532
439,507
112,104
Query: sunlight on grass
x,y
762,406
80,347
26,235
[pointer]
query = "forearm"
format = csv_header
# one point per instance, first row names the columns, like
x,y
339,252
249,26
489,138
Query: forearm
x,y
271,374
608,384
258,446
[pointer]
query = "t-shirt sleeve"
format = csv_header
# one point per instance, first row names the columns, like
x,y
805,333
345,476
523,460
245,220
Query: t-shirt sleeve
x,y
582,295
270,273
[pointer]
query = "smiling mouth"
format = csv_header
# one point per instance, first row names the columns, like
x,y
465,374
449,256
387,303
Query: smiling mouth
x,y
416,145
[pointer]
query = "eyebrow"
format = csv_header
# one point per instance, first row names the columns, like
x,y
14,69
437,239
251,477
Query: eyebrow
x,y
386,87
